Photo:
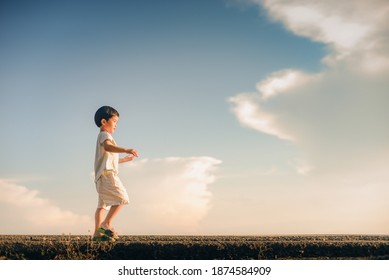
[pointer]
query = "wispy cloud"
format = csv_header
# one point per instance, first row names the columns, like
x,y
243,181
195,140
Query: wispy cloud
x,y
284,81
25,211
247,108
337,117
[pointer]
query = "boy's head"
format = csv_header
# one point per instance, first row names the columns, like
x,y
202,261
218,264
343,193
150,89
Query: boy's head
x,y
105,113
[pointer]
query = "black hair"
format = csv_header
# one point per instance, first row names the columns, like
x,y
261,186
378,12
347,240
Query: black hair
x,y
104,112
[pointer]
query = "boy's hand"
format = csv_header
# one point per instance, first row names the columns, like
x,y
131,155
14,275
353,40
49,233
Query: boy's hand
x,y
127,158
133,152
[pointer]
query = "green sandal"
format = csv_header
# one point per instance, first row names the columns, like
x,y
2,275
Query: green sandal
x,y
108,233
103,238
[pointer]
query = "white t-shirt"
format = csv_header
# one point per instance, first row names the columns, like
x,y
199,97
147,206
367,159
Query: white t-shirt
x,y
105,160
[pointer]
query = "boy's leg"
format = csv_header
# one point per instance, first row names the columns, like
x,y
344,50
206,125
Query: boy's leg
x,y
98,219
111,214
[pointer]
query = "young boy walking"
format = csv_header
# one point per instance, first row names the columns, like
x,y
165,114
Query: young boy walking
x,y
112,195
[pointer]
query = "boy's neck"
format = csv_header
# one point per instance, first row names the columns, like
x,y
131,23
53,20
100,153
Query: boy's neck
x,y
102,129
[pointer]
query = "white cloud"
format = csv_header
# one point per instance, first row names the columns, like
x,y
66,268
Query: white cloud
x,y
284,81
336,117
355,31
321,21
167,195
25,211
248,110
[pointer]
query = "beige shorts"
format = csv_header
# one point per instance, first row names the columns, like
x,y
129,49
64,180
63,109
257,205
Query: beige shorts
x,y
111,191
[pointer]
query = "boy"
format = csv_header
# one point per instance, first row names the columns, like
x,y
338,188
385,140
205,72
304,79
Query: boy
x,y
112,194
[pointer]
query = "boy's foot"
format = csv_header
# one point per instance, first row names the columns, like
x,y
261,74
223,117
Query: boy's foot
x,y
103,238
108,232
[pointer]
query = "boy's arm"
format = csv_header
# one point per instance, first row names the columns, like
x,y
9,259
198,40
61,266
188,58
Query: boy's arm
x,y
126,158
109,147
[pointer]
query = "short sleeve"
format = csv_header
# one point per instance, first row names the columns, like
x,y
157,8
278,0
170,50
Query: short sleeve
x,y
103,136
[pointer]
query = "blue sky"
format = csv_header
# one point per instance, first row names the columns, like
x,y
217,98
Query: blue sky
x,y
250,117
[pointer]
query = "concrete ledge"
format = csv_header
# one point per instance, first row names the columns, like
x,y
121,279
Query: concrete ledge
x,y
69,247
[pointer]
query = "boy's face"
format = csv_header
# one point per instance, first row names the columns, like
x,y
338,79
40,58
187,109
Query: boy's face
x,y
110,125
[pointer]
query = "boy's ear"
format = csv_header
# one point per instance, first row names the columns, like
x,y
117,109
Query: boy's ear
x,y
103,121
